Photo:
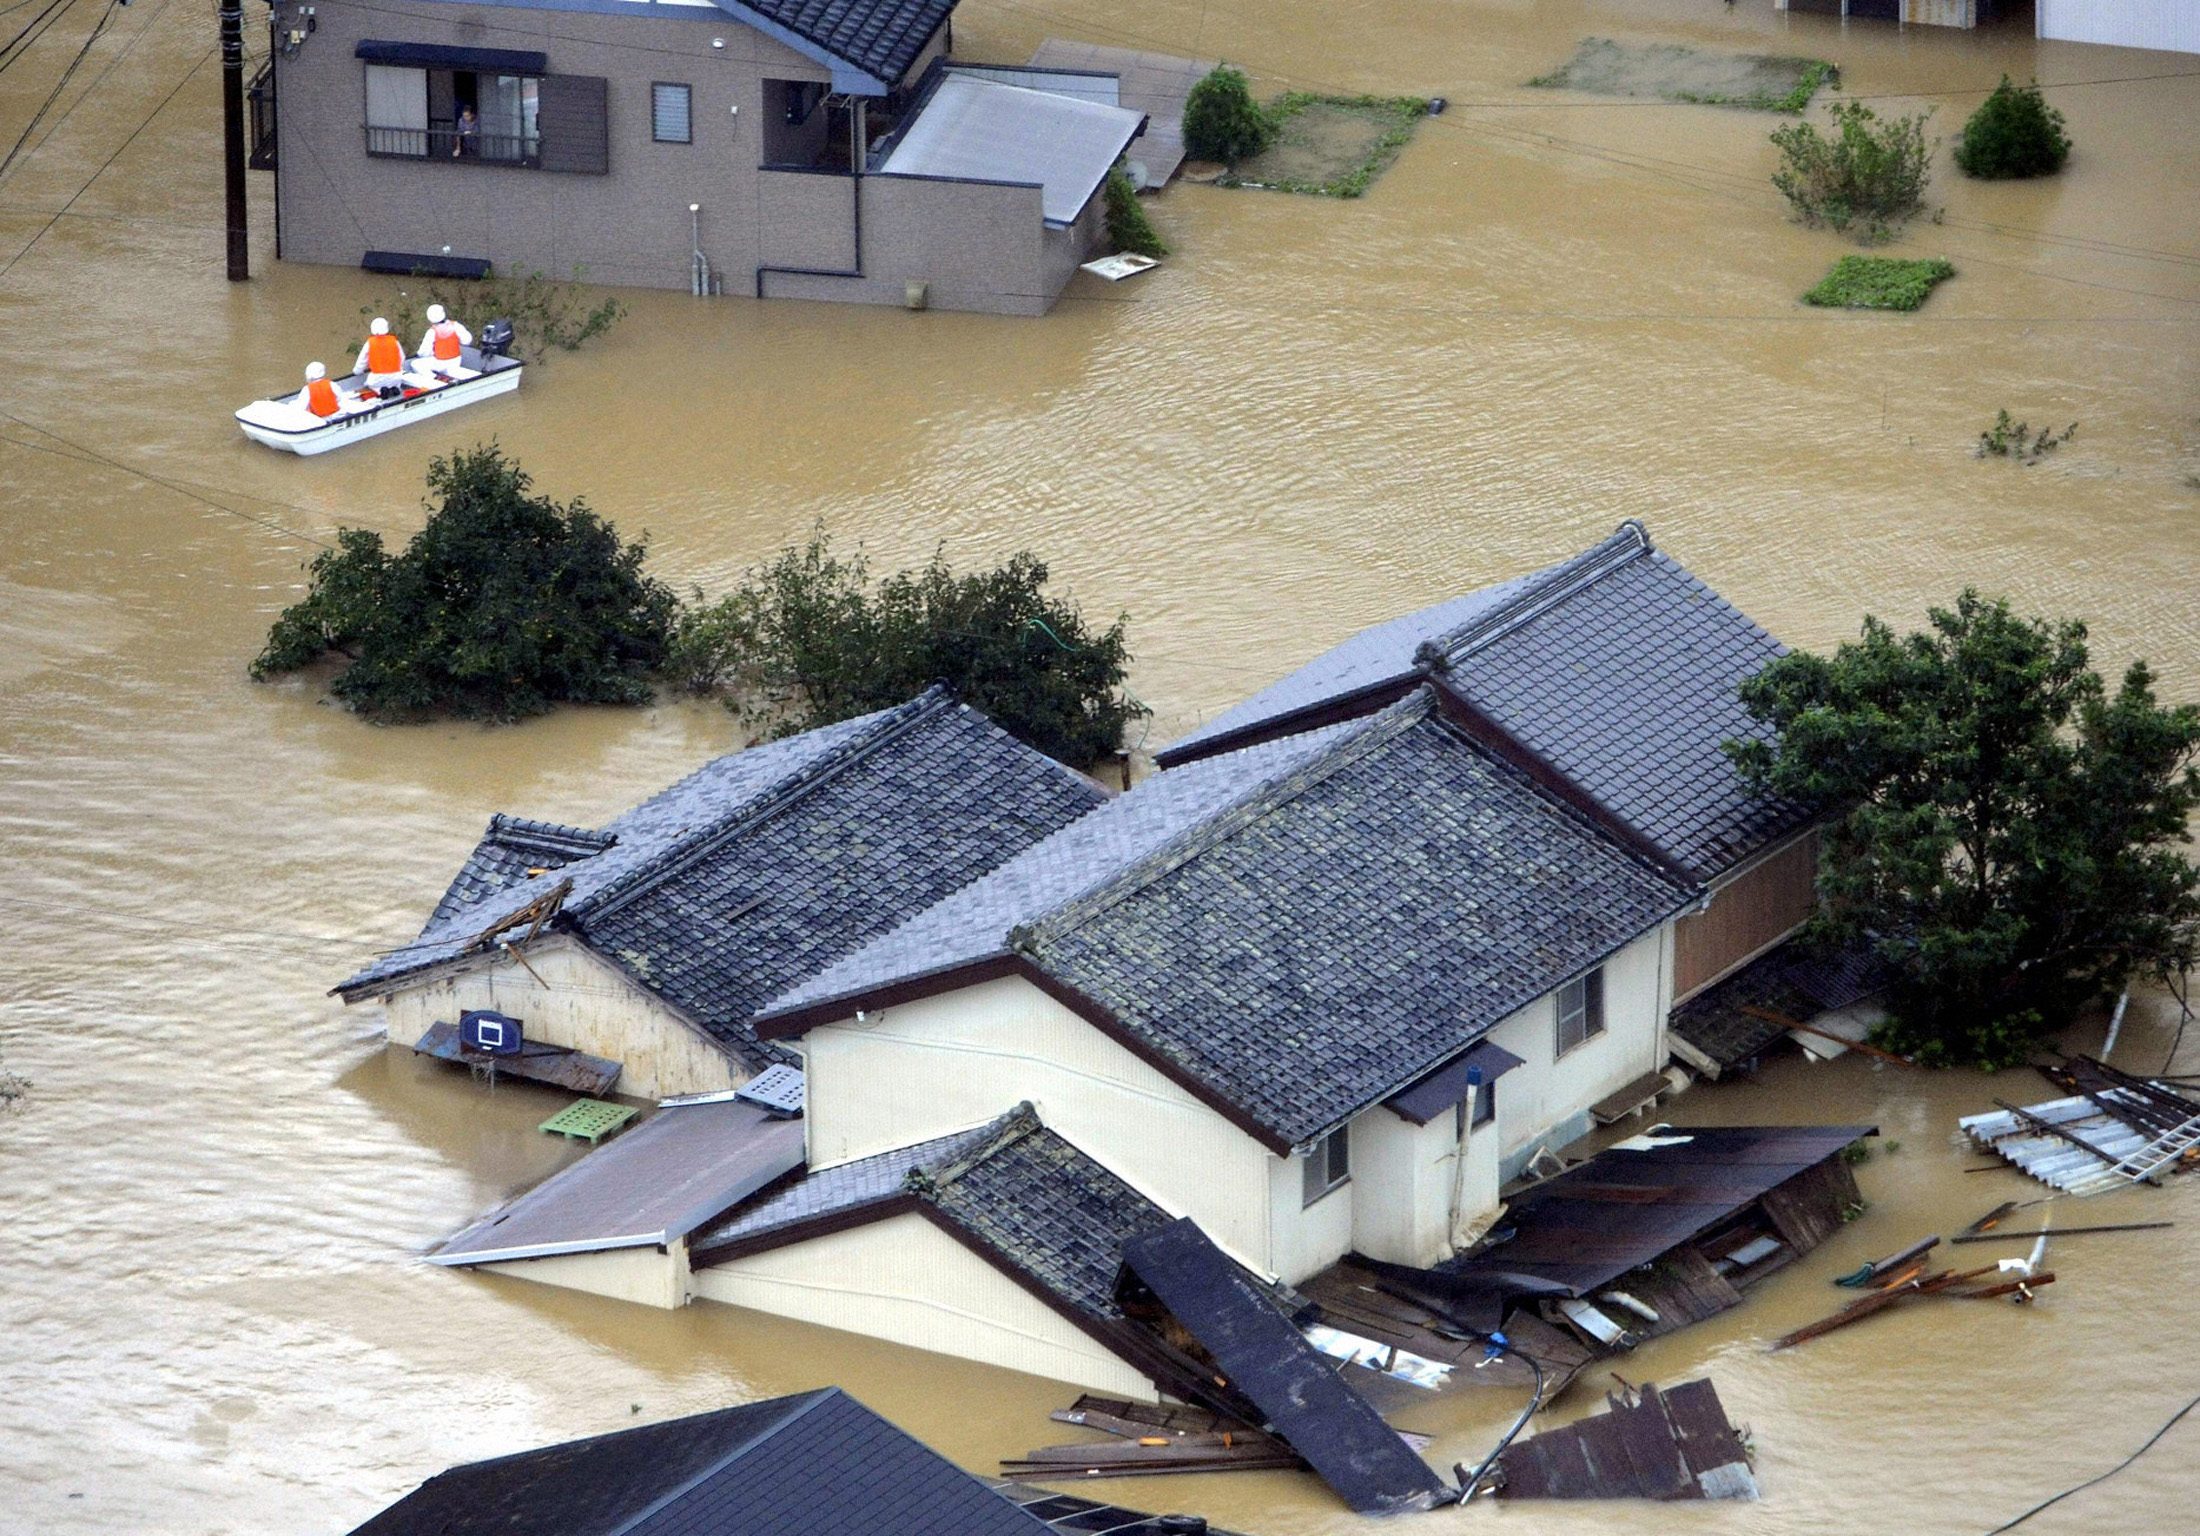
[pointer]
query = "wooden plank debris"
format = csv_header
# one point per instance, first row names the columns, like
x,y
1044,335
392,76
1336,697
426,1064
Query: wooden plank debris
x,y
2025,1237
1637,1096
1906,1286
535,1063
1648,1444
1893,1263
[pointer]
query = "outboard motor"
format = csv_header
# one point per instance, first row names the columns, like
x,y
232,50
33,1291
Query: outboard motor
x,y
495,339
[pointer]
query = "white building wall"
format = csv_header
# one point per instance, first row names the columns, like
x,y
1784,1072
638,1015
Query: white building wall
x,y
653,1276
1307,1239
1546,1098
581,1001
1402,1177
942,1064
2172,26
904,1280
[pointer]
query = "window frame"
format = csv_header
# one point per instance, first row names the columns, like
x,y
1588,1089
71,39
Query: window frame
x,y
1332,1155
1578,1005
523,153
687,89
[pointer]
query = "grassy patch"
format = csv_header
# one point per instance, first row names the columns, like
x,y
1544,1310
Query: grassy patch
x,y
1674,72
1330,146
1878,282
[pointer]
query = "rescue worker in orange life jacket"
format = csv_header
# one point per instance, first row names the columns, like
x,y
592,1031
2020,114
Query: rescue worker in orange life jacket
x,y
319,395
382,359
442,344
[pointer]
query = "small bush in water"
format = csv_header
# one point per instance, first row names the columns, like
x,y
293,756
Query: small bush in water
x,y
1878,282
2013,133
2010,439
1222,121
1128,227
1869,172
544,313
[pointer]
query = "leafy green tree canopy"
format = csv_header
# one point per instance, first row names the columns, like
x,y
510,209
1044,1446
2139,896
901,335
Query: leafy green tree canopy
x,y
503,605
1222,121
807,640
2013,133
2008,831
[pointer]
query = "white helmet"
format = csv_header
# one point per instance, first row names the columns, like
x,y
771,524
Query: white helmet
x,y
380,327
315,371
435,314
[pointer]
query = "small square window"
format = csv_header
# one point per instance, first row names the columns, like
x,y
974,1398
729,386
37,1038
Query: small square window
x,y
671,113
1580,1010
1328,1164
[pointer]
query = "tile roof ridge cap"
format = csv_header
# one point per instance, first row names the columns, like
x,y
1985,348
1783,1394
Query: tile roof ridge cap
x,y
684,851
503,823
992,1139
816,1398
1360,740
1545,591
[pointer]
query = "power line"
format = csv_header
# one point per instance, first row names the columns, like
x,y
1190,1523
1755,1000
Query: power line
x,y
101,78
60,85
2010,1525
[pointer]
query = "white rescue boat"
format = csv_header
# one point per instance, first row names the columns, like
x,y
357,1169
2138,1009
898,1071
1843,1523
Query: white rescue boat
x,y
481,372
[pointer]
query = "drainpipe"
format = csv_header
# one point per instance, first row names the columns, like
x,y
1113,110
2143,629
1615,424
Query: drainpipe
x,y
698,263
1459,1157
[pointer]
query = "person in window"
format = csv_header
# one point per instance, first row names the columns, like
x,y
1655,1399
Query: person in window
x,y
462,142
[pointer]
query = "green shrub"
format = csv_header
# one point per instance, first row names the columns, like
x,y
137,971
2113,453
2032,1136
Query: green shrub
x,y
544,313
1222,121
501,606
1128,227
2013,133
1870,172
807,640
2008,438
1878,282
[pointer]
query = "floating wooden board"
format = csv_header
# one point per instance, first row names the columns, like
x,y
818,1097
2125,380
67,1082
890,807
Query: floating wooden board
x,y
1651,1445
536,1063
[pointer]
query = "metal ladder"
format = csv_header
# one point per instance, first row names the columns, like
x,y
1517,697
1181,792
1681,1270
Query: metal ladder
x,y
2159,1153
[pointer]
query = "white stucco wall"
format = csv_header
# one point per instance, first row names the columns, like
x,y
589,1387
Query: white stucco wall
x,y
1546,1098
655,1277
2170,25
1402,1184
923,1069
581,1001
905,1280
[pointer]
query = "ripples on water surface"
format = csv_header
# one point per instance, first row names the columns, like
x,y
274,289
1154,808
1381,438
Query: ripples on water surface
x,y
1549,315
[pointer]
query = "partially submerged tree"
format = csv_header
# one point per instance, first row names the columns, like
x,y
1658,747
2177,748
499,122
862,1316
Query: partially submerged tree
x,y
806,640
2008,832
2013,133
503,605
1129,229
1222,121
1869,174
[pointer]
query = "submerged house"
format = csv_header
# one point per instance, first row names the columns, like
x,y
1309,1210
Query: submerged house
x,y
653,940
1323,986
825,149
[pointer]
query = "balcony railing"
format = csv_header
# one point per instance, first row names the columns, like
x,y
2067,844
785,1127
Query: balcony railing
x,y
448,144
261,97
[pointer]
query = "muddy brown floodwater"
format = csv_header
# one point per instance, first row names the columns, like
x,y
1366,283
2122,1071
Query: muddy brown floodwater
x,y
1554,312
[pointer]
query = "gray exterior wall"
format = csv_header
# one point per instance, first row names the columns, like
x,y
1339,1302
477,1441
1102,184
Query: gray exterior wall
x,y
980,246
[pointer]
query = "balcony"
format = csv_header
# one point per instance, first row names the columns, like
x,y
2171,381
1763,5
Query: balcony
x,y
446,144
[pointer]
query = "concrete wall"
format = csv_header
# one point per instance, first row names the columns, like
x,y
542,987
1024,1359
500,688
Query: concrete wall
x,y
2172,26
655,1277
905,1280
1546,1099
981,246
923,1069
1402,1184
583,1001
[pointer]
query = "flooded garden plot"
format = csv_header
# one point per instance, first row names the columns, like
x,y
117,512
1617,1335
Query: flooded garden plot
x,y
1676,72
1330,146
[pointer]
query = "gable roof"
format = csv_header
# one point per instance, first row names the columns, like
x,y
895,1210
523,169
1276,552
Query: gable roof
x,y
880,37
766,865
1617,670
813,1464
1018,1192
1364,906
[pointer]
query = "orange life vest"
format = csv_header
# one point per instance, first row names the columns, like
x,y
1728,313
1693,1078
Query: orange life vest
x,y
321,398
446,343
384,355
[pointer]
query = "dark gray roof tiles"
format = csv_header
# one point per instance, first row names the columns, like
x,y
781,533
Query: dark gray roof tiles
x,y
880,37
1616,667
510,851
975,922
1313,949
834,1191
746,878
813,1464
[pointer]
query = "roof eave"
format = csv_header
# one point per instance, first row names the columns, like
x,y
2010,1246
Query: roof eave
x,y
1352,704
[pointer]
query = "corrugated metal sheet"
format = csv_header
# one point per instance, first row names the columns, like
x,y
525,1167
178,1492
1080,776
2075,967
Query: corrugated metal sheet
x,y
2061,1164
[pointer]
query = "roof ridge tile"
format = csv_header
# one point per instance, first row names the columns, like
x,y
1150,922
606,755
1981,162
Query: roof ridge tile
x,y
1625,544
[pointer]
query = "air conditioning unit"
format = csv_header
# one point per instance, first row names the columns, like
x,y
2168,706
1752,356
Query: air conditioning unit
x,y
489,1032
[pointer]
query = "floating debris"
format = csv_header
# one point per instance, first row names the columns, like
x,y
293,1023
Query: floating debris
x,y
1669,1445
2114,1130
1873,1273
1904,1287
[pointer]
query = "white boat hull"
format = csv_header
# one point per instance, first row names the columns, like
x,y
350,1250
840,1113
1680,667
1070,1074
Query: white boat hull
x,y
281,423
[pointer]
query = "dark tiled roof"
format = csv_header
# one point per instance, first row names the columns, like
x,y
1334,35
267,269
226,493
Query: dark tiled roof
x,y
975,922
512,849
880,37
1625,677
1031,1199
750,876
1617,667
814,1464
1318,946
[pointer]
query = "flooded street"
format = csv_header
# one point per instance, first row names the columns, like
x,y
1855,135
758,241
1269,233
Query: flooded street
x,y
1552,313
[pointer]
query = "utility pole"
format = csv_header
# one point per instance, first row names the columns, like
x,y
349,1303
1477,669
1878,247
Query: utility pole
x,y
232,28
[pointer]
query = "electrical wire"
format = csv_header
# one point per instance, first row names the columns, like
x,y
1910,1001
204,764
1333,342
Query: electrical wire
x,y
2010,1525
60,85
101,78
